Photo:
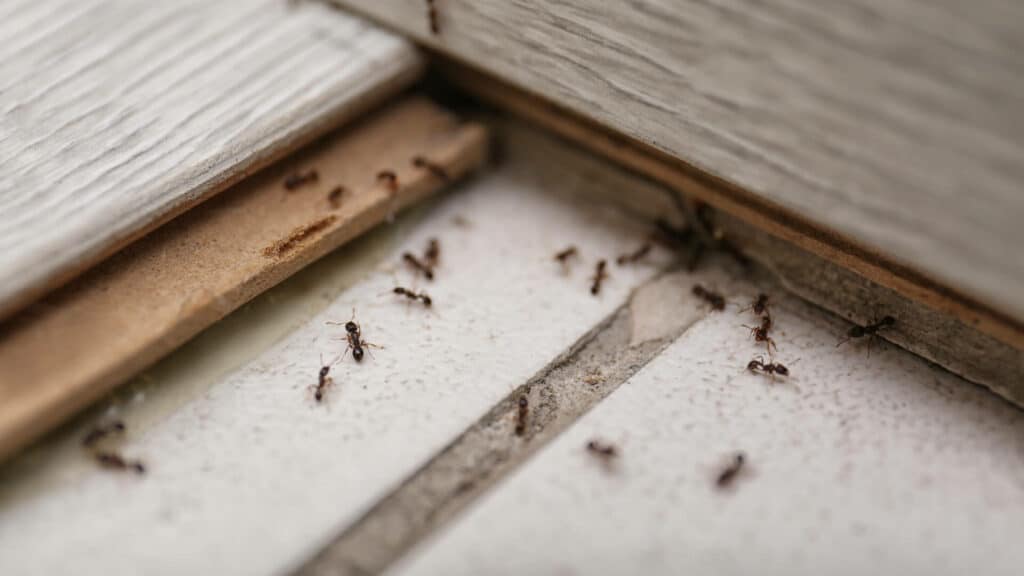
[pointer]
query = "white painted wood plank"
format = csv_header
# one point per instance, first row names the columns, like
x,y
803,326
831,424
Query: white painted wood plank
x,y
249,475
880,465
119,113
895,123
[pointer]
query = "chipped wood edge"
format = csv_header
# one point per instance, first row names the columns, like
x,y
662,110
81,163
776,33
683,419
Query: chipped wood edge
x,y
935,323
159,292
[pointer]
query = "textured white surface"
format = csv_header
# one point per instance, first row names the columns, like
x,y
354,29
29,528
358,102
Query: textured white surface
x,y
115,113
880,465
252,475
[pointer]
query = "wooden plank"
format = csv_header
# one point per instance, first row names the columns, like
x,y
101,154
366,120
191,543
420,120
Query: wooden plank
x,y
65,351
935,322
119,114
893,124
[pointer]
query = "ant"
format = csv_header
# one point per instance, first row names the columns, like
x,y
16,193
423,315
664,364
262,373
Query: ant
x,y
389,179
335,195
521,414
869,330
760,333
759,305
603,451
635,256
770,368
300,179
435,27
115,461
564,256
422,296
716,300
436,169
354,335
323,380
599,276
417,265
728,475
100,432
432,255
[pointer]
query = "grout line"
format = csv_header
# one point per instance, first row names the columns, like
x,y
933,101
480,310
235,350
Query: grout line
x,y
568,387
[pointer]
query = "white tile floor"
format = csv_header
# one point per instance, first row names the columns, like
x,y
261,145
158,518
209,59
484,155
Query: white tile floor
x,y
880,465
860,464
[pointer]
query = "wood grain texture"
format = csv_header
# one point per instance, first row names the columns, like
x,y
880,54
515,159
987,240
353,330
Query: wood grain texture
x,y
116,115
894,123
154,295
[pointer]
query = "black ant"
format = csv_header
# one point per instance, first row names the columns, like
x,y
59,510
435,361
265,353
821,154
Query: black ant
x,y
521,415
389,179
728,475
100,432
335,195
869,330
300,179
354,335
436,169
323,380
770,368
435,27
422,296
417,265
760,333
599,276
603,451
716,300
635,256
564,256
432,255
115,461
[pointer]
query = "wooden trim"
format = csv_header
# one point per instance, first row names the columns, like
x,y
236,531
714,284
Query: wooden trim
x,y
78,343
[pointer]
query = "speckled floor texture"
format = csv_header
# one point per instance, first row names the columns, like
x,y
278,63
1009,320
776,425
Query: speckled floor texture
x,y
859,462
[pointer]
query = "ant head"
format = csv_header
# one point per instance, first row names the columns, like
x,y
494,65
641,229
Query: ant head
x,y
856,332
324,370
754,364
427,301
888,321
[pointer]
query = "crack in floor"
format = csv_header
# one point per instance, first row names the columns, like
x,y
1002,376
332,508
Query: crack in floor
x,y
558,395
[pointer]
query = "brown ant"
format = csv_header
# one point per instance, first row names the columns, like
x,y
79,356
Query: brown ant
x,y
716,300
635,256
760,333
115,461
422,296
389,179
606,452
417,265
354,335
563,257
770,368
727,476
436,169
300,179
599,276
759,305
869,330
335,195
435,27
102,431
521,414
